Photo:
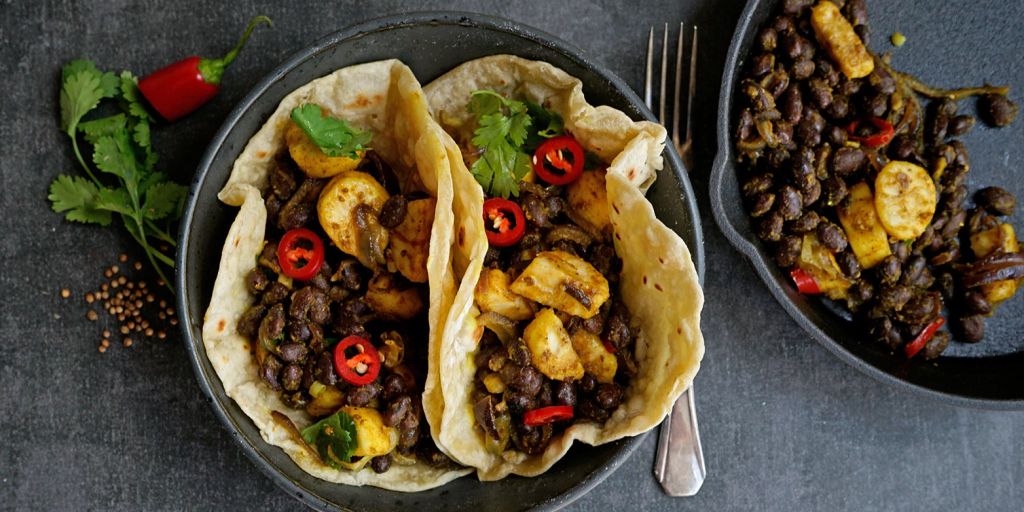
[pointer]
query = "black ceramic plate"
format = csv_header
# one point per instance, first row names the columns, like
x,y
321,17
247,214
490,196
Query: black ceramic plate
x,y
947,45
430,43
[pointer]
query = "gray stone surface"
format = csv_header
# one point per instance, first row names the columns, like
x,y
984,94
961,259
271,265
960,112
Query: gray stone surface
x,y
785,425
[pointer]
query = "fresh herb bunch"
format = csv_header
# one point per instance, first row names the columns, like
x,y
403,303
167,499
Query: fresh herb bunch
x,y
334,438
506,130
332,135
147,202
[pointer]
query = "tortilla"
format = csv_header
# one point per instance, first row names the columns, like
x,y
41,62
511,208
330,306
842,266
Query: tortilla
x,y
385,98
659,281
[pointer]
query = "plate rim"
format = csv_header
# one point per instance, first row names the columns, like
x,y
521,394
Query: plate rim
x,y
196,354
750,251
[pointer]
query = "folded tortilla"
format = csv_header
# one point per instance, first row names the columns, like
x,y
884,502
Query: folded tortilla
x,y
659,282
385,98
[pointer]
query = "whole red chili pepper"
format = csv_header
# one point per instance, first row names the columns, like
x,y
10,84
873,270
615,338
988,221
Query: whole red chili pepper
x,y
182,87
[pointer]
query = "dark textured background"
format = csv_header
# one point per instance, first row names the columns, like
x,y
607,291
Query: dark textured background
x,y
784,424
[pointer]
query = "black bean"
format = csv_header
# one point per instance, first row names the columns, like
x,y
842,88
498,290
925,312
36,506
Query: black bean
x,y
767,39
409,428
381,463
534,210
522,378
310,303
292,352
863,33
889,270
301,208
802,69
949,254
497,360
996,200
393,211
997,110
282,178
588,383
397,410
274,293
832,236
617,331
608,396
808,132
936,345
885,331
269,371
946,285
835,190
762,64
565,393
848,264
847,161
810,189
256,281
791,104
588,409
349,275
876,105
532,440
936,127
790,202
394,386
291,377
807,222
920,308
268,258
793,45
249,324
272,326
324,371
518,403
975,303
882,81
784,133
960,125
837,136
296,400
361,395
795,6
827,71
856,11
546,396
820,93
518,352
839,108
770,228
972,328
757,184
862,291
787,251
902,147
783,24
893,298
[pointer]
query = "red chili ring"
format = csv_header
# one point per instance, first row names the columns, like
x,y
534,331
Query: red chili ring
x,y
545,415
502,231
289,253
551,166
346,366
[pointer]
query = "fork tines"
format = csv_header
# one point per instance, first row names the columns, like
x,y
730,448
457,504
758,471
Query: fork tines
x,y
681,145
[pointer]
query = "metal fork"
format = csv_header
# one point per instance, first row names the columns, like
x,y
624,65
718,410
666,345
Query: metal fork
x,y
679,465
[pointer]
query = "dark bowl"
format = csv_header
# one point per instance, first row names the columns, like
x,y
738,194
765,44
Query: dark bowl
x,y
985,375
430,43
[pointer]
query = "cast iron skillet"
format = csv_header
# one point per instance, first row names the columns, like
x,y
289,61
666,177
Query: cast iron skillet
x,y
987,375
430,43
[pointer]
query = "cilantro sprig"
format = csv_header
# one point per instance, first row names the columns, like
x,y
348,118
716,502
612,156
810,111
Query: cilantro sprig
x,y
334,438
145,200
332,135
507,131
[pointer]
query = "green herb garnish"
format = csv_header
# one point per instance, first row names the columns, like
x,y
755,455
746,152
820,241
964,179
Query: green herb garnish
x,y
332,135
508,131
334,438
143,198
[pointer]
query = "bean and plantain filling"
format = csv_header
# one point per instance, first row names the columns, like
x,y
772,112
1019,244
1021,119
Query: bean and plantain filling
x,y
339,326
861,191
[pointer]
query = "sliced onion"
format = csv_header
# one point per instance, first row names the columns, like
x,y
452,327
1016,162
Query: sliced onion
x,y
569,232
500,325
286,423
993,268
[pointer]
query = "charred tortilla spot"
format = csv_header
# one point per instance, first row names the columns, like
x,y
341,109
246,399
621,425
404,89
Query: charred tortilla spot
x,y
462,236
261,154
658,287
645,280
221,323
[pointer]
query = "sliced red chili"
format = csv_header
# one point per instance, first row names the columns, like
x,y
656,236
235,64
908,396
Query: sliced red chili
x,y
551,165
362,366
503,221
609,347
911,349
546,415
300,254
884,132
805,282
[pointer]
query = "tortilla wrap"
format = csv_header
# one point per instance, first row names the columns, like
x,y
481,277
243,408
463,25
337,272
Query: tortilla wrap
x,y
659,282
385,98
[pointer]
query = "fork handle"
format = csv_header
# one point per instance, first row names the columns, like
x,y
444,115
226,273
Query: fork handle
x,y
679,465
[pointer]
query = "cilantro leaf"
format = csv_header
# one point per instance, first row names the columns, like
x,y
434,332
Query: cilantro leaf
x,y
128,84
334,136
77,197
162,199
104,126
80,94
503,126
334,438
546,123
114,200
